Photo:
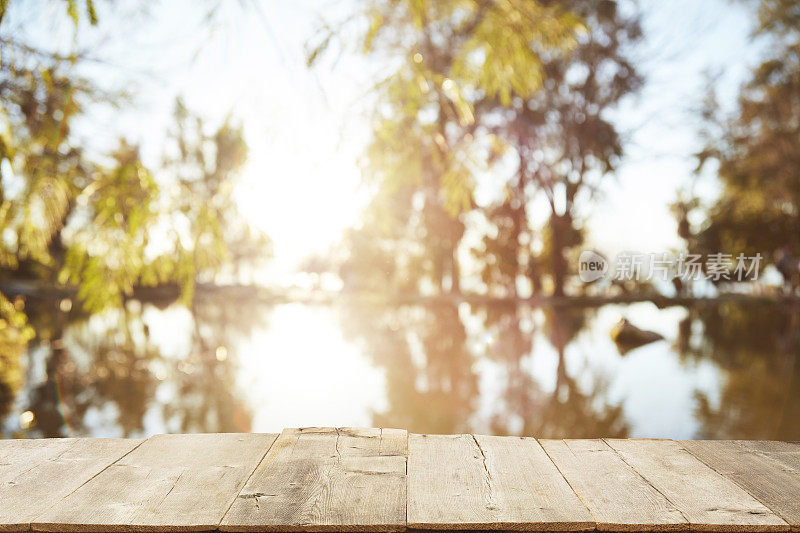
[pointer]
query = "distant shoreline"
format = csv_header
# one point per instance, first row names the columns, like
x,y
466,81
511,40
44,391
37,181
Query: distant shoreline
x,y
267,296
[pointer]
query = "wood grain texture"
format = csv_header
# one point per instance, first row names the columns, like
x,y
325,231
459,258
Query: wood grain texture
x,y
768,471
709,501
616,495
37,474
787,453
326,479
168,483
481,482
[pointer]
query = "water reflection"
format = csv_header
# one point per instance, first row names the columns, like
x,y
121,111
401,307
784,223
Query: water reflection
x,y
756,353
107,374
431,382
567,409
722,371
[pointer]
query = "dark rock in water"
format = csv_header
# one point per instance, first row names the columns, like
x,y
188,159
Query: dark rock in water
x,y
627,336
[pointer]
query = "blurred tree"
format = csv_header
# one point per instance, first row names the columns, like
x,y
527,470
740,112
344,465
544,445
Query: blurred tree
x,y
757,149
447,58
565,144
460,74
108,231
206,230
106,228
40,175
101,226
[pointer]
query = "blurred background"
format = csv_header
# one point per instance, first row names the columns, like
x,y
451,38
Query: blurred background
x,y
244,215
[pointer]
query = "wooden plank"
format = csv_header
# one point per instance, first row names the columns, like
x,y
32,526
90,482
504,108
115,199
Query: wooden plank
x,y
709,501
787,453
771,476
326,479
168,483
616,495
36,473
481,482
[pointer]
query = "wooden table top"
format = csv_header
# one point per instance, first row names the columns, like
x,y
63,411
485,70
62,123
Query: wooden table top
x,y
349,479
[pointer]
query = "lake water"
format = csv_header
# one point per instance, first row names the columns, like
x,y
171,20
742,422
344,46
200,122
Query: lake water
x,y
721,371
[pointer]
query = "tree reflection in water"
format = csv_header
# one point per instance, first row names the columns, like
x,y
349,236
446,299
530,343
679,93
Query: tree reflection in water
x,y
569,409
142,369
432,384
106,375
756,348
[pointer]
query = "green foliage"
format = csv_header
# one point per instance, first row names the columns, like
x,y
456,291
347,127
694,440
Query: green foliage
x,y
449,59
103,226
45,171
3,8
104,229
106,253
72,8
15,332
74,11
502,56
454,55
135,233
476,83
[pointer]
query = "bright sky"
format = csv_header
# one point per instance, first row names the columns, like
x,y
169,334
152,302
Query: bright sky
x,y
307,128
685,41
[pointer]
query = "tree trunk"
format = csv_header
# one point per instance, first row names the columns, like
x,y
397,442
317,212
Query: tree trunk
x,y
557,255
